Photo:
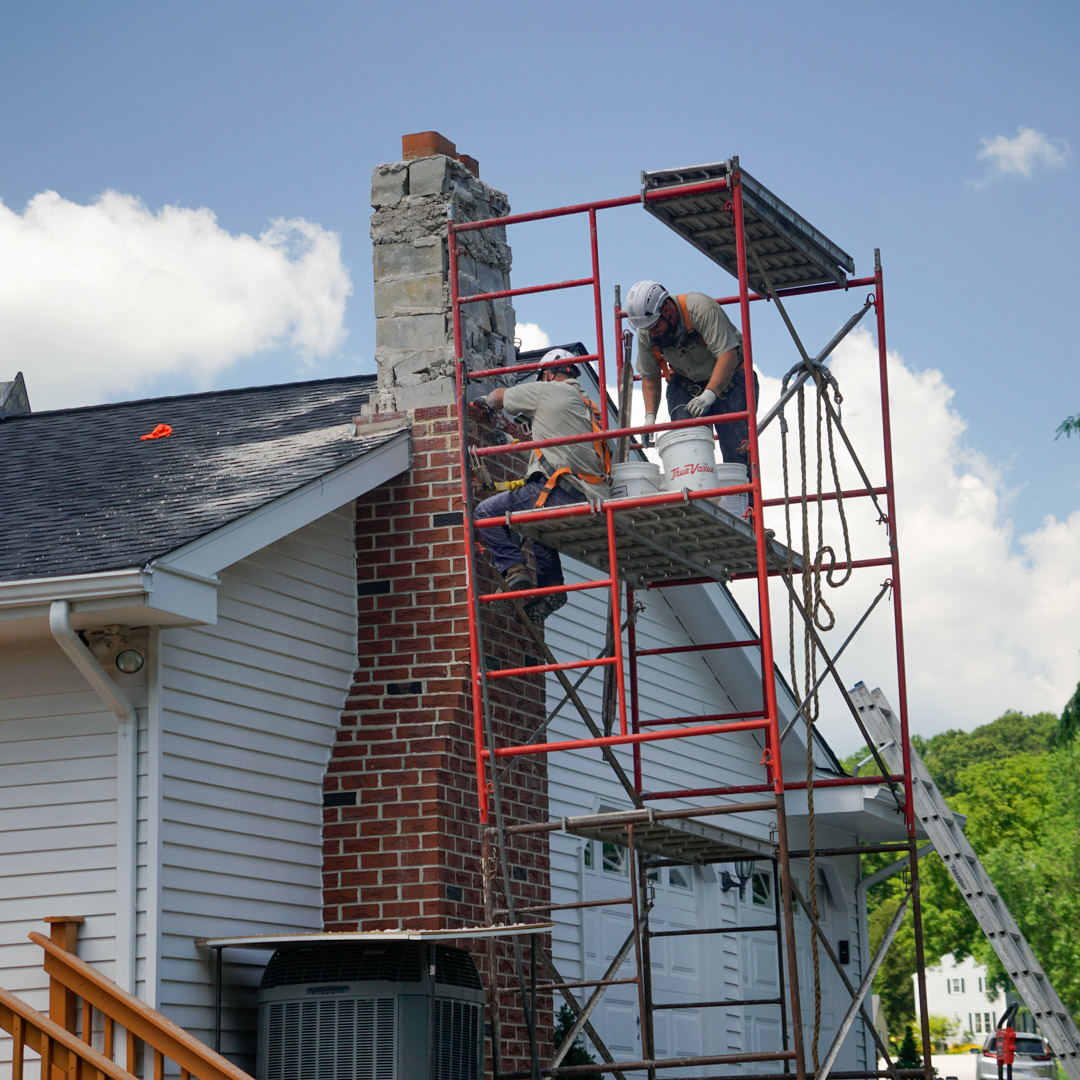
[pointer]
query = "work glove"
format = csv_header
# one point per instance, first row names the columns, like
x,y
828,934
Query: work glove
x,y
647,436
697,406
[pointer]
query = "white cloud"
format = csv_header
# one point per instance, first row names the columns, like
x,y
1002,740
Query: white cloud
x,y
109,297
989,617
1021,155
989,623
531,336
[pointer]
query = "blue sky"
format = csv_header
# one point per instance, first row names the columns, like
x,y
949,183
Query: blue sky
x,y
869,118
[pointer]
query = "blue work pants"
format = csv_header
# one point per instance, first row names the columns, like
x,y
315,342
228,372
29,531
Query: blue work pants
x,y
505,546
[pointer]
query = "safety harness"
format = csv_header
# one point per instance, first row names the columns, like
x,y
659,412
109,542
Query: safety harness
x,y
602,450
665,367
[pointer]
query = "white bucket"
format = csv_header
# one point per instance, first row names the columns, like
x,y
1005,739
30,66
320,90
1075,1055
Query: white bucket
x,y
731,472
688,457
632,478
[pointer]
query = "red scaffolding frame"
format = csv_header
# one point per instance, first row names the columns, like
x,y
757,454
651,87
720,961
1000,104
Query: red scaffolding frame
x,y
632,730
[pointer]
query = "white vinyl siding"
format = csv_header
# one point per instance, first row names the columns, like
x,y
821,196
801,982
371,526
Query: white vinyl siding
x,y
249,712
58,749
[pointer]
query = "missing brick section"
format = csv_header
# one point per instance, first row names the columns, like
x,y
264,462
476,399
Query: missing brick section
x,y
455,892
451,517
372,588
339,798
397,688
519,873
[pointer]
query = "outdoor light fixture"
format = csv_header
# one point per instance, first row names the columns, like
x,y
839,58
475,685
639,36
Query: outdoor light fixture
x,y
129,661
744,871
110,645
103,648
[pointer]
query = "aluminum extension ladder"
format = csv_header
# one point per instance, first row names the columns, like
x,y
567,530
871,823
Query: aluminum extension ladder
x,y
975,885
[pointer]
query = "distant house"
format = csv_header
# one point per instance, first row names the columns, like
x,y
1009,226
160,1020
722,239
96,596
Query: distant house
x,y
959,990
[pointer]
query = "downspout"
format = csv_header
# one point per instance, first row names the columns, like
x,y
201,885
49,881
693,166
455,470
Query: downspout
x,y
126,773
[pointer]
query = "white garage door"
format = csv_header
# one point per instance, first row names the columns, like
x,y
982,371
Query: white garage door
x,y
675,962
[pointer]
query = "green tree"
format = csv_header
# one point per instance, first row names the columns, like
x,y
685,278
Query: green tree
x,y
577,1054
1069,425
908,1056
1024,820
1018,789
1069,724
942,1029
1012,733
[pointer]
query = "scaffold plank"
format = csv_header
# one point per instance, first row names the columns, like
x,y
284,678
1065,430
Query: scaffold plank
x,y
683,840
658,543
791,251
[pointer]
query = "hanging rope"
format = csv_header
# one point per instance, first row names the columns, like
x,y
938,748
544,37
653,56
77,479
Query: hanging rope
x,y
813,597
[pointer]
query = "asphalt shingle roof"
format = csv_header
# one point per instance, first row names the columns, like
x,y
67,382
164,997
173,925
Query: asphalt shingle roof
x,y
80,492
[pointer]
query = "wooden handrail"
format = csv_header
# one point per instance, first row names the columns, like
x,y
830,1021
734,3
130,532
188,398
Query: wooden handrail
x,y
58,1049
166,1038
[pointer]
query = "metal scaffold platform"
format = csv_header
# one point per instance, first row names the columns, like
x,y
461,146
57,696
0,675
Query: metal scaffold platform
x,y
659,542
786,246
673,538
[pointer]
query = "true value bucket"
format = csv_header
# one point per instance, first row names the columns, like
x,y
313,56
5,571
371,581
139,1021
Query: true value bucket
x,y
731,472
688,458
634,478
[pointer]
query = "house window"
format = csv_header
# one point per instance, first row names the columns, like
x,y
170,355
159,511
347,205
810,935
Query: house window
x,y
679,877
978,1023
989,1021
761,889
616,860
956,986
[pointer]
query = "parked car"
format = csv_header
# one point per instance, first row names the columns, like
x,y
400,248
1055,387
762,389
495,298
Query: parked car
x,y
1033,1059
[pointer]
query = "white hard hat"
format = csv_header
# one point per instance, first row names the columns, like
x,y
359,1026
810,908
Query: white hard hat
x,y
643,304
559,354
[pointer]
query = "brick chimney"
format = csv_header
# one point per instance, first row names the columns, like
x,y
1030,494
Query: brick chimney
x,y
401,825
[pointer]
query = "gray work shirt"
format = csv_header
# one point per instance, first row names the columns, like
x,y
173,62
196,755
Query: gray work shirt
x,y
692,354
556,409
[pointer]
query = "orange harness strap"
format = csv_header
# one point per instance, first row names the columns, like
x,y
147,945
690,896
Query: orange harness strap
x,y
658,353
549,487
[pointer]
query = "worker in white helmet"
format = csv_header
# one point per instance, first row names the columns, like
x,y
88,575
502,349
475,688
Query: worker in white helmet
x,y
689,341
555,476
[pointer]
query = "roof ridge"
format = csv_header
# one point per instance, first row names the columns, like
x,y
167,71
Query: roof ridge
x,y
227,392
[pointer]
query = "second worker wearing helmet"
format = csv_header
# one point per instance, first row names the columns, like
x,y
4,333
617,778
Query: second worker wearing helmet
x,y
689,341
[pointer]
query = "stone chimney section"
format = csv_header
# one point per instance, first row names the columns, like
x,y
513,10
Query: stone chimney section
x,y
414,337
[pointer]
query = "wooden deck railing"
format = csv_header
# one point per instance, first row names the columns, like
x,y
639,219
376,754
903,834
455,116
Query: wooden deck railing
x,y
62,1054
67,1056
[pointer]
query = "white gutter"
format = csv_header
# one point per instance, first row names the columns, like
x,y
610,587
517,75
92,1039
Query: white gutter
x,y
107,585
126,771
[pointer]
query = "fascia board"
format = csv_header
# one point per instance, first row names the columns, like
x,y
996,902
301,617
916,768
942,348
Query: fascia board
x,y
270,523
130,596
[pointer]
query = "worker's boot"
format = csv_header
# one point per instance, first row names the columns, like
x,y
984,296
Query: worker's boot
x,y
540,607
517,577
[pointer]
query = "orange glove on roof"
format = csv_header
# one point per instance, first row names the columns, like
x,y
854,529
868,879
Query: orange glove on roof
x,y
162,431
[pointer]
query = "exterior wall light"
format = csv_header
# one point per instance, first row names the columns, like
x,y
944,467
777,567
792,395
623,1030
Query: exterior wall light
x,y
744,871
129,661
